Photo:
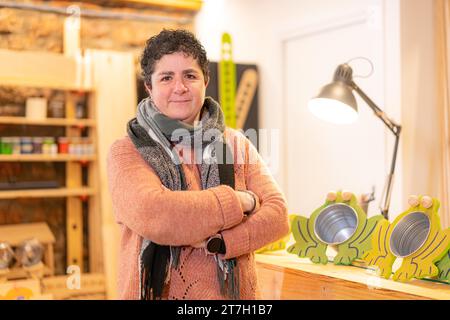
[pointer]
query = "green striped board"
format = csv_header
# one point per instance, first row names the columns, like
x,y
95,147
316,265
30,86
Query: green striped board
x,y
227,82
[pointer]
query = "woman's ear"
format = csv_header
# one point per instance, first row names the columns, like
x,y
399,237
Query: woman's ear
x,y
206,82
148,88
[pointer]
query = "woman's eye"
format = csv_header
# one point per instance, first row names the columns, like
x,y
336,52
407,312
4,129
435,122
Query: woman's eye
x,y
191,76
166,78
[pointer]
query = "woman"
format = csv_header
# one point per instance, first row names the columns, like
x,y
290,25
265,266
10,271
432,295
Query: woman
x,y
193,198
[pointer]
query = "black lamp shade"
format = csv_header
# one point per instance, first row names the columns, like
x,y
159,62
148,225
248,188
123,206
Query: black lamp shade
x,y
335,102
339,91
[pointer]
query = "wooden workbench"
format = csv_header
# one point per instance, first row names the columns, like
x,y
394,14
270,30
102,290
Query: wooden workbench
x,y
286,276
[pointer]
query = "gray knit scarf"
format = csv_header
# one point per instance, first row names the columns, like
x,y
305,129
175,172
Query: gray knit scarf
x,y
154,135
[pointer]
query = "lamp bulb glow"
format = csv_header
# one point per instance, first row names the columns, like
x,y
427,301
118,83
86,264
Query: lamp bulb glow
x,y
333,111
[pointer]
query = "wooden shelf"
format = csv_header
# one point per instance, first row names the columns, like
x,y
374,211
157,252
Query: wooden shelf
x,y
92,286
16,233
20,273
191,5
47,193
39,69
46,157
48,121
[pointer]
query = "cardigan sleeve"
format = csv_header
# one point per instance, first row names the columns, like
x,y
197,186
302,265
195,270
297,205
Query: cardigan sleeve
x,y
148,208
267,223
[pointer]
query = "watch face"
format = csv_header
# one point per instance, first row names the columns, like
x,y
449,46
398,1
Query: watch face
x,y
213,245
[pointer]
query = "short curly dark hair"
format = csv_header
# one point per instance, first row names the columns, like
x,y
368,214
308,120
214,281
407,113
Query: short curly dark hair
x,y
170,41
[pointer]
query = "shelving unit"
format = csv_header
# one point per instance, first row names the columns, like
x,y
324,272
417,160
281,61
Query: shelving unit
x,y
74,190
57,72
48,193
109,79
48,122
46,157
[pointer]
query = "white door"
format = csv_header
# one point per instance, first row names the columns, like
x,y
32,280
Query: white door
x,y
320,156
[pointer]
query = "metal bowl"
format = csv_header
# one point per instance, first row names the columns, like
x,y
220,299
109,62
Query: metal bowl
x,y
336,224
409,234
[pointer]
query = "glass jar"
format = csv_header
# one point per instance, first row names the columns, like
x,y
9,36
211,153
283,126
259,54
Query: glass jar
x,y
16,145
37,144
56,106
26,145
47,145
63,145
7,145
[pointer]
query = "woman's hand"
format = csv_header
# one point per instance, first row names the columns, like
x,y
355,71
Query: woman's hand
x,y
199,245
248,201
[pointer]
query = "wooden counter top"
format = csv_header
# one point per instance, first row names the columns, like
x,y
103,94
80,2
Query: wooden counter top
x,y
286,276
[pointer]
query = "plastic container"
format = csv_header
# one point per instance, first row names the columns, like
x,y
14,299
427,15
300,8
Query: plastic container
x,y
80,107
63,145
37,144
6,145
56,106
26,145
47,145
16,145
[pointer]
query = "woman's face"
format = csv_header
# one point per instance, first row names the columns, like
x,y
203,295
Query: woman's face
x,y
178,87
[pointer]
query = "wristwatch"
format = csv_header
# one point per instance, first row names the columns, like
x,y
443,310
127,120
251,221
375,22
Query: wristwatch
x,y
215,245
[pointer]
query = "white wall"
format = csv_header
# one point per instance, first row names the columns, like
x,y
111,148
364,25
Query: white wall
x,y
420,114
258,28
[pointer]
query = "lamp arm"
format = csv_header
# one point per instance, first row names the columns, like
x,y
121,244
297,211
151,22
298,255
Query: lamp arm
x,y
391,124
395,129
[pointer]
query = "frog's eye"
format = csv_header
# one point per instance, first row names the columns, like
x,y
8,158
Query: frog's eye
x,y
413,201
346,195
331,196
426,202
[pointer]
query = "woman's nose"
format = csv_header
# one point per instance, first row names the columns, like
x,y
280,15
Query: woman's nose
x,y
180,87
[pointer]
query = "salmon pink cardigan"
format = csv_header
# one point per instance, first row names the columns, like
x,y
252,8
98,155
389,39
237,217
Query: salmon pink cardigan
x,y
144,208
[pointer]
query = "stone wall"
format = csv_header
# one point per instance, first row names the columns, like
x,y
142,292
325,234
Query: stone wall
x,y
36,30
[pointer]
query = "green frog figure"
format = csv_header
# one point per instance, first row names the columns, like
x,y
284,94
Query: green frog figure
x,y
340,222
416,237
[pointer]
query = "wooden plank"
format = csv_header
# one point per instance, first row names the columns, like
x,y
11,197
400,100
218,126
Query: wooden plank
x,y
48,121
42,297
113,72
74,231
50,258
288,284
74,208
244,96
47,193
191,5
92,285
16,233
20,273
95,214
46,157
39,69
19,289
306,280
